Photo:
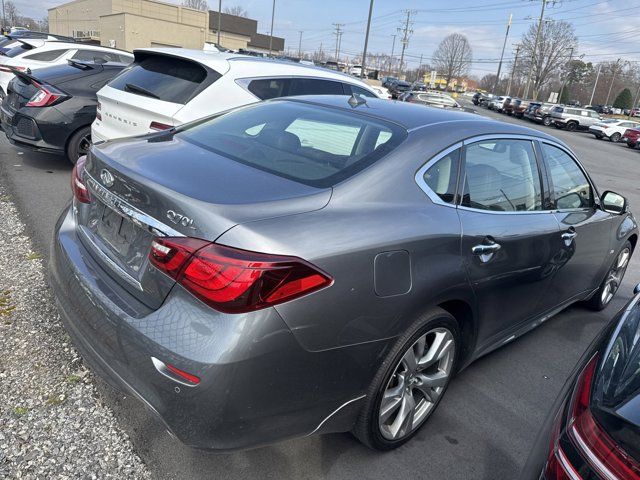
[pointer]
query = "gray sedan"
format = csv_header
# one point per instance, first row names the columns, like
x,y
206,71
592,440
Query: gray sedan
x,y
323,264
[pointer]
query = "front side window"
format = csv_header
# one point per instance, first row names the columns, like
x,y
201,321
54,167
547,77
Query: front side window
x,y
442,176
502,175
569,184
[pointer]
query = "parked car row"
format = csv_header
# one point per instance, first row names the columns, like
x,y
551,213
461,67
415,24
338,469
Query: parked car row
x,y
238,264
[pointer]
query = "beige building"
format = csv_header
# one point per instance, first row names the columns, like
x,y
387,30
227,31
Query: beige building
x,y
129,24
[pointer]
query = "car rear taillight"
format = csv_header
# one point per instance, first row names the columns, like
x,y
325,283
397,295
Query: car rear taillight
x,y
159,126
233,280
98,113
78,186
597,447
45,96
11,68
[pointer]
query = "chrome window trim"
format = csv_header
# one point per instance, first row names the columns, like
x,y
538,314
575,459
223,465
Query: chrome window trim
x,y
139,218
419,176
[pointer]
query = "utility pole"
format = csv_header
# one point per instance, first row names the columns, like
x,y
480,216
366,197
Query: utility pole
x,y
219,17
535,47
564,80
300,45
273,14
513,70
635,102
393,46
366,42
338,34
419,68
613,79
406,34
595,85
506,35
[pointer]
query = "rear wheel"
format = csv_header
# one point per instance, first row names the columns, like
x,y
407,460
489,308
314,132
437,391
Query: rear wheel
x,y
410,383
631,145
79,144
612,280
572,126
615,138
598,136
546,120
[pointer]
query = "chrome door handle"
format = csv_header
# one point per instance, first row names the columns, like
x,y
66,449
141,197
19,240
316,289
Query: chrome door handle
x,y
568,237
485,252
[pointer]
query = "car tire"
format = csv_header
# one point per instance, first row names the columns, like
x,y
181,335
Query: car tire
x,y
395,374
546,121
612,280
558,125
572,126
79,144
599,137
615,138
631,145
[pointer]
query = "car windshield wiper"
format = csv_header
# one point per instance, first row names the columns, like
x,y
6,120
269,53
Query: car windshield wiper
x,y
137,89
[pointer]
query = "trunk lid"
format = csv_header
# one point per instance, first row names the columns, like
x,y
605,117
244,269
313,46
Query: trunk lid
x,y
162,185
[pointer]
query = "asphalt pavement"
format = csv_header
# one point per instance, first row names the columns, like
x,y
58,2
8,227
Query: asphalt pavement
x,y
483,428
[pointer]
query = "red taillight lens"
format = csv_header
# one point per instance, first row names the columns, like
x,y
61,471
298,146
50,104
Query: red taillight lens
x,y
78,186
45,96
159,126
602,453
182,374
233,280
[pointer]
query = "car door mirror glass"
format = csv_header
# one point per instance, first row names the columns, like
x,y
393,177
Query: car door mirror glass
x,y
613,202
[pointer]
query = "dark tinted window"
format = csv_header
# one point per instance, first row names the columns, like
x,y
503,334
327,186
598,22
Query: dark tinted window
x,y
358,91
96,56
310,144
46,56
502,175
442,176
266,88
17,50
313,86
166,78
570,186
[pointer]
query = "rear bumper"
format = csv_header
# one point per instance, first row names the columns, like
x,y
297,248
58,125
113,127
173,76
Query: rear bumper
x,y
41,132
257,384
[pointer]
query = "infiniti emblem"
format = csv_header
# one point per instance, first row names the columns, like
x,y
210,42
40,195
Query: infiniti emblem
x,y
107,178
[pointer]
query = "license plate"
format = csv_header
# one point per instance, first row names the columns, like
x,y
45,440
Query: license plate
x,y
117,231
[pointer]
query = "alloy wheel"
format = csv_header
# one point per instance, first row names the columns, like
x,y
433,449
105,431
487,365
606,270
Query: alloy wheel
x,y
417,382
615,276
84,145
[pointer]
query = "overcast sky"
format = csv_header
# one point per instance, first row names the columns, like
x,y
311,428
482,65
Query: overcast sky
x,y
604,28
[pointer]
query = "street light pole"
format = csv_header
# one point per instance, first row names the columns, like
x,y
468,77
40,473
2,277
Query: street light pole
x,y
513,70
593,92
273,14
535,47
613,78
219,17
506,35
300,45
366,41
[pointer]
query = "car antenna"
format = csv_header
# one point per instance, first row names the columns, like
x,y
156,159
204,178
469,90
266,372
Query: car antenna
x,y
356,100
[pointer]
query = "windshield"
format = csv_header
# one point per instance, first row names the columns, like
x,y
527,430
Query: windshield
x,y
311,144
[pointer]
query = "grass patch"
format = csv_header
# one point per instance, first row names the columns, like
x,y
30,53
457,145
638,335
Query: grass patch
x,y
34,256
6,307
20,411
73,378
55,400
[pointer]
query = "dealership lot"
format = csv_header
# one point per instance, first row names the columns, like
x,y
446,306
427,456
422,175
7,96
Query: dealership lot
x,y
493,409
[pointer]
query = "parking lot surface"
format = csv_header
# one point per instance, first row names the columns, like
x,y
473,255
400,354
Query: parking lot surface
x,y
492,411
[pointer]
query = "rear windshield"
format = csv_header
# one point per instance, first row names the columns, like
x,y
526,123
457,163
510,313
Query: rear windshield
x,y
169,79
310,144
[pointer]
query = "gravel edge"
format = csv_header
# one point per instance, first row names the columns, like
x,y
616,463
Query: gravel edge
x,y
53,422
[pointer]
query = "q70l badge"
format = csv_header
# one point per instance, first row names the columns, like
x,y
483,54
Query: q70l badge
x,y
180,219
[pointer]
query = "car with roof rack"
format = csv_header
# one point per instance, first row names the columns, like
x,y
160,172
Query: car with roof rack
x,y
166,87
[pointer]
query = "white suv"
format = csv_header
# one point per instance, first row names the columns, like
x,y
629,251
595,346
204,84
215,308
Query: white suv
x,y
166,87
32,53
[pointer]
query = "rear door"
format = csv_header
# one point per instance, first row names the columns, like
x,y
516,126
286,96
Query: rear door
x,y
586,230
147,95
509,236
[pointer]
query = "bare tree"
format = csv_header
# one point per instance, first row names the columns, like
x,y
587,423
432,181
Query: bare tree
x,y
236,10
552,52
196,4
11,14
453,57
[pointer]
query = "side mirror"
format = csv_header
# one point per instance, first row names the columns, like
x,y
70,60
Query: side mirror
x,y
613,202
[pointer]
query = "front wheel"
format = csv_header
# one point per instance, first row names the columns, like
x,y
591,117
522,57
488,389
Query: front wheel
x,y
546,121
410,383
612,280
631,145
572,126
79,144
615,138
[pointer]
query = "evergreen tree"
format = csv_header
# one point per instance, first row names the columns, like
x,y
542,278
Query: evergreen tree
x,y
623,100
564,95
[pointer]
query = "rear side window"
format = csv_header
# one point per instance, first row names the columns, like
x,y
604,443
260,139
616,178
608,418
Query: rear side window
x,y
314,86
96,56
267,88
358,90
49,56
169,79
442,176
310,144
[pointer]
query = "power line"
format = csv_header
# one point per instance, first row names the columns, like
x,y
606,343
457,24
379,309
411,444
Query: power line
x,y
406,34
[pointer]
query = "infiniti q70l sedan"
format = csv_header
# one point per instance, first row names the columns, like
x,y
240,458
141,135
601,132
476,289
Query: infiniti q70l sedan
x,y
322,264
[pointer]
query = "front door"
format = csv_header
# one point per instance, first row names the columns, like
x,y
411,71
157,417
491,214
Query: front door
x,y
508,238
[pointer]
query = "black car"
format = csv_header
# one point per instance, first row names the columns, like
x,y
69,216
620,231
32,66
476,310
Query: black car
x,y
594,430
398,87
419,87
52,109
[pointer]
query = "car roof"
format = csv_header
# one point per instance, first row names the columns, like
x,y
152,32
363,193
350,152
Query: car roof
x,y
413,116
222,62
